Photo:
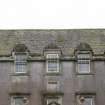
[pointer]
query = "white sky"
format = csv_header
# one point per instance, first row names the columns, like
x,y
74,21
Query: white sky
x,y
44,14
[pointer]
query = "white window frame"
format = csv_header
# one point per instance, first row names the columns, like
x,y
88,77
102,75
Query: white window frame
x,y
83,57
78,69
20,71
56,58
21,62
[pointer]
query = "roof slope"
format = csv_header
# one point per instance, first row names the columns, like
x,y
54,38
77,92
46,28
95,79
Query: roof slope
x,y
66,39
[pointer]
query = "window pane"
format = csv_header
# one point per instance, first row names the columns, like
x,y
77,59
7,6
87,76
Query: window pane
x,y
53,65
83,56
19,101
52,62
20,66
52,56
88,101
20,63
83,66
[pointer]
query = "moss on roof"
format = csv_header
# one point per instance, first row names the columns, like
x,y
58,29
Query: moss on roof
x,y
66,39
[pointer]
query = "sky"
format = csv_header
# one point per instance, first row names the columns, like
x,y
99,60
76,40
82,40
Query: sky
x,y
52,14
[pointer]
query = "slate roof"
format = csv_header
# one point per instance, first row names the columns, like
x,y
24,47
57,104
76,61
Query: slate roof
x,y
66,39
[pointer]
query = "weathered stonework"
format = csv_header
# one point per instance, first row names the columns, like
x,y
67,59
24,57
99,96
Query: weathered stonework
x,y
33,83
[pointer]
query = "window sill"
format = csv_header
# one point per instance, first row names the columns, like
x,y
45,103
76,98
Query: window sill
x,y
53,73
19,74
85,74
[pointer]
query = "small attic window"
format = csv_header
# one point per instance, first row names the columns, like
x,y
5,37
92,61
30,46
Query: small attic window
x,y
83,55
20,63
20,58
52,63
52,54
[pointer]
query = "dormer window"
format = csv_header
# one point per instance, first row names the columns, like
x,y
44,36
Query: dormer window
x,y
52,63
20,52
83,63
83,54
52,54
20,63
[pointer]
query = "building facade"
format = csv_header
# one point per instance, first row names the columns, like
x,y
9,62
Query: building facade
x,y
52,67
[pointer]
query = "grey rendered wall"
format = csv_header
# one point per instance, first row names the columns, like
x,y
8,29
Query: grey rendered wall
x,y
71,82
